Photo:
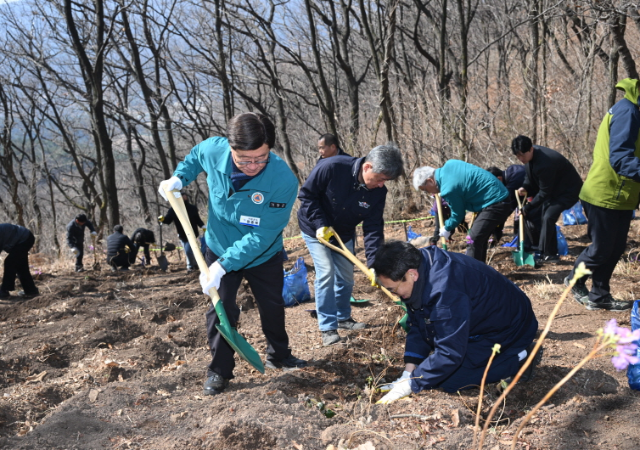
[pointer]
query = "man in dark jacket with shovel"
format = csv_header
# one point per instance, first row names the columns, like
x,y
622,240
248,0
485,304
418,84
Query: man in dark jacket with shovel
x,y
142,238
458,308
557,184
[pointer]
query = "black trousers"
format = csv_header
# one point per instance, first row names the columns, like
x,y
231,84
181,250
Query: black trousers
x,y
266,282
119,260
80,247
147,255
550,212
485,223
17,263
607,229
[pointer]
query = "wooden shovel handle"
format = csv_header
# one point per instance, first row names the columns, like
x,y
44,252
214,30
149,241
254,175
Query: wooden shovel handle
x,y
344,251
175,199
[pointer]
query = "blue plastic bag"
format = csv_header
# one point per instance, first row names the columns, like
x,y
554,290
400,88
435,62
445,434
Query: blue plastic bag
x,y
633,371
411,235
513,243
563,247
574,215
296,287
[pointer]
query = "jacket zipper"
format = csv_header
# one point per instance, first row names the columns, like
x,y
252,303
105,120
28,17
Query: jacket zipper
x,y
620,190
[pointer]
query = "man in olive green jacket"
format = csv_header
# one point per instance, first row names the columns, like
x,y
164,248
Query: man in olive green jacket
x,y
609,196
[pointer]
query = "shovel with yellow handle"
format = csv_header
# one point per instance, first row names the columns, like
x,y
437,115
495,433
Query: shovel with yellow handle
x,y
441,221
230,334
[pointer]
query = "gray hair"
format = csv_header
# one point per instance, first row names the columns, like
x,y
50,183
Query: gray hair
x,y
387,160
421,175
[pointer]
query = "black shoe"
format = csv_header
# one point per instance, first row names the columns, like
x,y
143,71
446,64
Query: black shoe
x,y
579,291
290,363
608,303
29,294
4,294
530,372
549,259
330,337
124,268
350,324
79,269
215,385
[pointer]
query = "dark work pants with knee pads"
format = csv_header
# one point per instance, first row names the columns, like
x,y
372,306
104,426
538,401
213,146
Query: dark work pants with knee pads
x,y
608,230
266,282
550,212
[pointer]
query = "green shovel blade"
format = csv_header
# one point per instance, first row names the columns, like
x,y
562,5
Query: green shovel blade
x,y
236,341
522,258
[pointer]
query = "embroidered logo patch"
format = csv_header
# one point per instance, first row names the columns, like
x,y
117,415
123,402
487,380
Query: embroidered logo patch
x,y
277,205
363,204
257,198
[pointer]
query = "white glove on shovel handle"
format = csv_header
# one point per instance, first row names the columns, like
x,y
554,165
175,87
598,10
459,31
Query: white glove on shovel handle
x,y
172,184
216,272
444,233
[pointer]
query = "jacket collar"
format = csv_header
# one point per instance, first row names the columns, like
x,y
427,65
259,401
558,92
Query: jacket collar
x,y
631,89
355,172
415,301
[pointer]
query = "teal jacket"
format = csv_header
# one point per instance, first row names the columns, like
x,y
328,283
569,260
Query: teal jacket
x,y
467,188
244,228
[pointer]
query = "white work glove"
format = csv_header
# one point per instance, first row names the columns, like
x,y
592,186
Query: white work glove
x,y
75,251
93,233
400,390
387,387
216,272
444,233
324,233
172,184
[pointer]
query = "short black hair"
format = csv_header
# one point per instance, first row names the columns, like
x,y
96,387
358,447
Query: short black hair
x,y
118,228
329,139
521,144
250,131
81,218
495,171
395,258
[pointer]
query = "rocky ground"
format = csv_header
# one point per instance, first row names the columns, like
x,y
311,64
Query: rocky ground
x,y
117,361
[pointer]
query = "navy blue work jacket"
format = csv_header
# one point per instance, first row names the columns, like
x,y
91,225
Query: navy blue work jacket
x,y
458,310
332,196
514,180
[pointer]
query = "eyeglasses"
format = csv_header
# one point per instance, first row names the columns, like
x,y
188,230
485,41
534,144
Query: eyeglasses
x,y
394,290
247,161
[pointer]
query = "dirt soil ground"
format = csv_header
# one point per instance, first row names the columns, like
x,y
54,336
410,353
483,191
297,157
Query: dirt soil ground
x,y
117,361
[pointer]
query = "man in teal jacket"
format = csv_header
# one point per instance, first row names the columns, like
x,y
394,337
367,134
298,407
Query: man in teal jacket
x,y
251,193
467,188
609,195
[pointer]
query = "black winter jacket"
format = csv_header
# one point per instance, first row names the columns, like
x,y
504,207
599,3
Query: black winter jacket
x,y
143,236
75,233
12,235
332,196
116,246
194,218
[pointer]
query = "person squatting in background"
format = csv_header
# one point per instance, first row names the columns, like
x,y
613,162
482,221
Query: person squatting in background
x,y
119,250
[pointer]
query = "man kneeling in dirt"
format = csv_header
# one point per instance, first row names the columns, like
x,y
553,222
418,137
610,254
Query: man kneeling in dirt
x,y
119,248
459,308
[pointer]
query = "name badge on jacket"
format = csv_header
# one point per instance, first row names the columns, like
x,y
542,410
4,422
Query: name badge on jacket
x,y
250,221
